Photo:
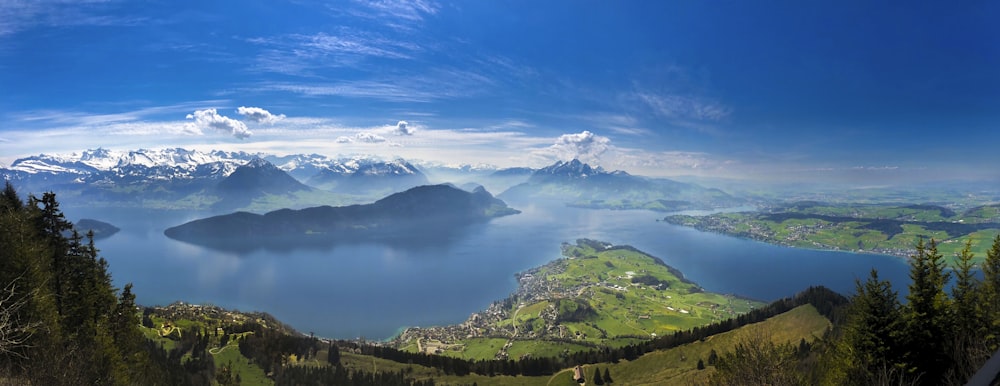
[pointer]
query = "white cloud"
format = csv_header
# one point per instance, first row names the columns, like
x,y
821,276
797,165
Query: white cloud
x,y
403,128
674,106
426,87
585,146
16,16
362,137
210,118
409,10
257,114
304,55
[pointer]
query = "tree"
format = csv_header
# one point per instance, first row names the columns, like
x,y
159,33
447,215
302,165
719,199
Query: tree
x,y
927,315
597,376
757,360
333,355
968,347
15,333
990,294
873,331
607,376
701,364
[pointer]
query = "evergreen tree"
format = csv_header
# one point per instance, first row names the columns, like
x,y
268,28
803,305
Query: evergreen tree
x,y
701,364
990,294
597,376
873,331
333,355
607,376
968,346
928,320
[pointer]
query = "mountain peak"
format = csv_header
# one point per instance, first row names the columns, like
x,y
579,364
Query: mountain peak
x,y
572,169
259,163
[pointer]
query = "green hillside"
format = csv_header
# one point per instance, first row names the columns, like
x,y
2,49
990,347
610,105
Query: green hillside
x,y
597,295
883,229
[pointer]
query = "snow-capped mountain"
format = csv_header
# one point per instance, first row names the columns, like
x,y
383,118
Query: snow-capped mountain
x,y
182,170
368,174
579,184
103,165
572,170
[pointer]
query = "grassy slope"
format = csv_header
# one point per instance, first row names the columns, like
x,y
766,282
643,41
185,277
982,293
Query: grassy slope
x,y
666,367
677,366
621,316
249,373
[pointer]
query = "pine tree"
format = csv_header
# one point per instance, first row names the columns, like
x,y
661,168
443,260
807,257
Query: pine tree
x,y
990,294
928,321
333,355
597,377
607,376
873,331
968,347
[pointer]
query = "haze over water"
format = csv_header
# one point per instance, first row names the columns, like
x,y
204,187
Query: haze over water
x,y
372,289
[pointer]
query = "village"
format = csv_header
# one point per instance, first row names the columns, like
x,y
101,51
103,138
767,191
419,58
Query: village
x,y
540,290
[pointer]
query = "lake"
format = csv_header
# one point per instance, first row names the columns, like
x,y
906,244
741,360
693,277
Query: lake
x,y
371,290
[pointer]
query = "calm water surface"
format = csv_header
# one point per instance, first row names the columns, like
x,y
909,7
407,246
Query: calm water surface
x,y
371,289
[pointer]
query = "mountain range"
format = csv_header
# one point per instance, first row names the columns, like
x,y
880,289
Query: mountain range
x,y
579,184
192,177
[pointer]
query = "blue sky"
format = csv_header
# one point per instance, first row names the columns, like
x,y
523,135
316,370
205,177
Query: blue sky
x,y
854,92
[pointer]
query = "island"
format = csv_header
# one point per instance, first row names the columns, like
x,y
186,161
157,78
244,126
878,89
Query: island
x,y
422,212
101,229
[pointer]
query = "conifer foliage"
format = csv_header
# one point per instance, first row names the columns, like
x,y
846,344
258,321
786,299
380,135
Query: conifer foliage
x,y
61,320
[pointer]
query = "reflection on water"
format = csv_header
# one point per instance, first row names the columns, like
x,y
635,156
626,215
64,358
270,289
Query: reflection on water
x,y
371,288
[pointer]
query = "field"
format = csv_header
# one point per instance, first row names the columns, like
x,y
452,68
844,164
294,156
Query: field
x,y
883,229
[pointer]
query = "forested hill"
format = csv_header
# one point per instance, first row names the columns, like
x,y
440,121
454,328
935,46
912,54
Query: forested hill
x,y
424,209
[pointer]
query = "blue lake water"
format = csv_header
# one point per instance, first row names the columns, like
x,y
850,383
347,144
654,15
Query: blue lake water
x,y
371,289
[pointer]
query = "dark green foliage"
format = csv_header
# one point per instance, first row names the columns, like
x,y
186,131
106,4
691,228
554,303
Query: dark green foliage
x,y
607,376
71,327
339,376
933,338
651,281
927,314
874,331
573,310
757,360
701,364
990,294
597,377
333,355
